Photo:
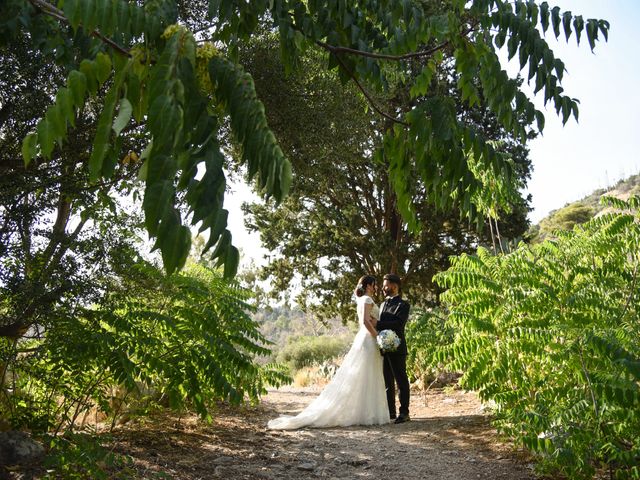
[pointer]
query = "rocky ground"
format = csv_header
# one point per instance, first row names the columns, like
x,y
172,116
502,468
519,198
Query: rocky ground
x,y
449,437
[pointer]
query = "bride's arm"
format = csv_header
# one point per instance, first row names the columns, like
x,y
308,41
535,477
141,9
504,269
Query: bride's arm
x,y
368,321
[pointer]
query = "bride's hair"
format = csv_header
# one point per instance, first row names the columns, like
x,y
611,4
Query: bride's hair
x,y
363,283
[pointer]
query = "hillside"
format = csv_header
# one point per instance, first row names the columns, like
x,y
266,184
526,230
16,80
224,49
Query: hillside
x,y
582,210
282,324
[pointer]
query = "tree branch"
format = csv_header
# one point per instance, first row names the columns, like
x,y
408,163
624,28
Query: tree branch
x,y
58,14
383,56
367,96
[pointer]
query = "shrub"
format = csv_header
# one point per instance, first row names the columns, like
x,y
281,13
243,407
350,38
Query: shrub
x,y
318,375
425,334
187,338
307,351
551,333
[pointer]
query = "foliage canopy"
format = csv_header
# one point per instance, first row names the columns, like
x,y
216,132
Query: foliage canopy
x,y
181,95
341,217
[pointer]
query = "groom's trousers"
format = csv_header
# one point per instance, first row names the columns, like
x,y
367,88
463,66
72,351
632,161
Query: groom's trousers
x,y
395,371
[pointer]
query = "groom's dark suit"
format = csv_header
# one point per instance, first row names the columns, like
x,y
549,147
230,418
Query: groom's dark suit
x,y
393,316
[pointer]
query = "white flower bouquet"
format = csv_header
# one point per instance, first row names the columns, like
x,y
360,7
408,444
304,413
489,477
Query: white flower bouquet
x,y
388,341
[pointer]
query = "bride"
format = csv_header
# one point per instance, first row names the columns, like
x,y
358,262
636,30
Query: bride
x,y
356,393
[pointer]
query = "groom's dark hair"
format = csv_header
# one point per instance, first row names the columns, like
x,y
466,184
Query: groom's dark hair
x,y
393,278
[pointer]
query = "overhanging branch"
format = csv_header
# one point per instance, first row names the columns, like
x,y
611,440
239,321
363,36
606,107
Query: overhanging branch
x,y
383,56
58,14
367,96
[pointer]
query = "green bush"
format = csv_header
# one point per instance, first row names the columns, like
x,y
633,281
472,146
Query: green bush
x,y
188,338
551,333
425,333
81,456
306,351
565,218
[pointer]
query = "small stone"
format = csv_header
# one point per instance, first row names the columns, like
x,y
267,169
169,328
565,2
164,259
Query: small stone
x,y
307,466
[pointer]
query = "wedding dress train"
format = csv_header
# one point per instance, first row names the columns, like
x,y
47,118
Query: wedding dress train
x,y
356,393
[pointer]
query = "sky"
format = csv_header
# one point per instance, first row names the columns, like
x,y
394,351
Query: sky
x,y
570,161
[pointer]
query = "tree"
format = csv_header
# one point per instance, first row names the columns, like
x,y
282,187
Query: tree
x,y
342,219
56,228
181,94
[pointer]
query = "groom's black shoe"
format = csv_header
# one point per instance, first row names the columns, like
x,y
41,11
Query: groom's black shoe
x,y
392,416
402,418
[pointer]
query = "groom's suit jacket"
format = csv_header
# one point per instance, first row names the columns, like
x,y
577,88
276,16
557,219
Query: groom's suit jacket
x,y
393,316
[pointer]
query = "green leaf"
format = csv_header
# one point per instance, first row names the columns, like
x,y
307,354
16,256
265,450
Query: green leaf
x,y
559,67
158,200
124,115
103,67
592,33
64,101
603,25
174,241
544,16
103,134
540,120
45,137
566,23
88,15
73,12
555,20
89,70
29,148
165,120
77,83
232,259
578,26
224,242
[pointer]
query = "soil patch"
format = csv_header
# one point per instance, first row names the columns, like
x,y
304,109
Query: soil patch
x,y
449,437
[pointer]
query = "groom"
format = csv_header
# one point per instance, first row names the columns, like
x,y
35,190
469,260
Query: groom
x,y
393,316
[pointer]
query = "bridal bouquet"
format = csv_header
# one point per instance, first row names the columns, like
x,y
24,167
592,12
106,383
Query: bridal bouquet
x,y
388,341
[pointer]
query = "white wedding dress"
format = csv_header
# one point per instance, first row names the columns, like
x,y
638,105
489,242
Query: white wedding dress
x,y
356,394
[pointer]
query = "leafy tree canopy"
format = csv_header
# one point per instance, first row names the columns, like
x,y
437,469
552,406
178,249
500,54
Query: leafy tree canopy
x,y
144,70
341,217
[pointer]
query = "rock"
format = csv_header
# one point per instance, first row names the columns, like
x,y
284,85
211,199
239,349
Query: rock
x,y
220,471
307,466
450,401
223,460
18,448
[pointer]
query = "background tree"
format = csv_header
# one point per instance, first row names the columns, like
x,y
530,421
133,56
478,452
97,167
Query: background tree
x,y
342,218
56,228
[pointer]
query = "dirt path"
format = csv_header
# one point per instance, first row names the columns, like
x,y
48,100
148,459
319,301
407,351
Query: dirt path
x,y
449,437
